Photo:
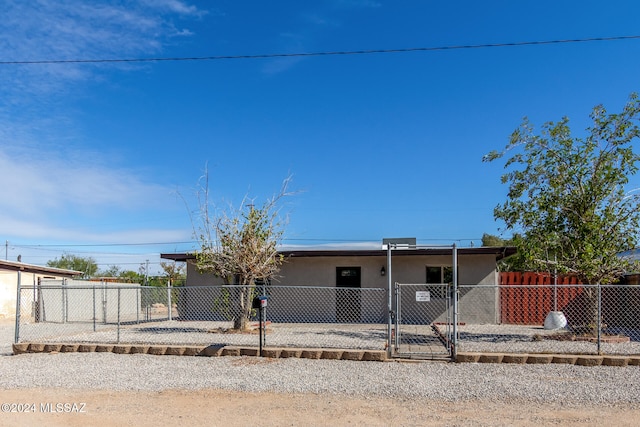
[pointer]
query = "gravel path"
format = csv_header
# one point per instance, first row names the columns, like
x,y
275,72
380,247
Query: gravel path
x,y
558,384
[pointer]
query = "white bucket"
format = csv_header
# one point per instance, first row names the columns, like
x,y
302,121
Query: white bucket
x,y
555,320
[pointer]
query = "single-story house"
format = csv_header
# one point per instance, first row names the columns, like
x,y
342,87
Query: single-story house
x,y
309,269
29,275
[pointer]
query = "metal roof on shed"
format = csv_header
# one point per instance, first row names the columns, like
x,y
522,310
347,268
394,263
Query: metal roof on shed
x,y
38,269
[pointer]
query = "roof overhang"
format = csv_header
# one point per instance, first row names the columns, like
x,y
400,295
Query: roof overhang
x,y
180,257
37,269
499,252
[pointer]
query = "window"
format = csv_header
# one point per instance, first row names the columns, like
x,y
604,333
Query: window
x,y
440,276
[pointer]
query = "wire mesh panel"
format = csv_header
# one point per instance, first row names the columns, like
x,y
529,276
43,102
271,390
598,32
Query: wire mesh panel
x,y
565,319
295,316
423,320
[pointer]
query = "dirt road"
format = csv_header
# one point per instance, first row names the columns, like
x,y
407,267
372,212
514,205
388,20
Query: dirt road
x,y
222,408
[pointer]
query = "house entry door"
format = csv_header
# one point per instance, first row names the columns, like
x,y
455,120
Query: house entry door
x,y
348,294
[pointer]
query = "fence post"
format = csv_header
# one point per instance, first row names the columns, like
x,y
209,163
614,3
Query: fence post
x,y
137,304
599,317
454,346
389,302
397,315
94,306
64,300
104,301
169,297
118,337
16,337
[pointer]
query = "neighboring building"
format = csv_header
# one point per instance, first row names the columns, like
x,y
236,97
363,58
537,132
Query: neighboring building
x,y
29,277
344,268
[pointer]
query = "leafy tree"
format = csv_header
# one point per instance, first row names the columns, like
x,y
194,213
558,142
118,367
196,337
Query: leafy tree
x,y
491,240
87,265
111,271
174,272
514,262
568,196
129,276
241,245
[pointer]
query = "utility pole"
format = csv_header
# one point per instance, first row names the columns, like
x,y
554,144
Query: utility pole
x,y
6,250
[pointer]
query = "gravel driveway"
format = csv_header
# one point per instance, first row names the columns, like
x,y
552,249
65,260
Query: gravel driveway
x,y
566,384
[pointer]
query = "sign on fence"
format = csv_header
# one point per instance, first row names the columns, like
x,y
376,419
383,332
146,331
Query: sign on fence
x,y
423,296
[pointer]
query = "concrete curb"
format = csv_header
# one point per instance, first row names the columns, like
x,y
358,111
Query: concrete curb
x,y
317,353
568,359
207,351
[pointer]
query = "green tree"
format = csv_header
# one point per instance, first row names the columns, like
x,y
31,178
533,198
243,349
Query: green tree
x,y
111,271
568,196
241,246
174,272
514,262
492,240
87,265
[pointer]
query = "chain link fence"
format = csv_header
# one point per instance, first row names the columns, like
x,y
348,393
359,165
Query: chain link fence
x,y
580,319
295,316
423,320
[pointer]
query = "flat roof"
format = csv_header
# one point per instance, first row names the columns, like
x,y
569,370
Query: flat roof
x,y
499,252
38,269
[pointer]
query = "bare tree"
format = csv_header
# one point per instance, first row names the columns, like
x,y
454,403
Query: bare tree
x,y
240,245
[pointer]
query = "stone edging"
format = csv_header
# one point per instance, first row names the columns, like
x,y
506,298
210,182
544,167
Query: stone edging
x,y
210,351
311,353
539,359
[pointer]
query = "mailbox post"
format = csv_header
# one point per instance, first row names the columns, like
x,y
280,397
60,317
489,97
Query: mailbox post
x,y
260,302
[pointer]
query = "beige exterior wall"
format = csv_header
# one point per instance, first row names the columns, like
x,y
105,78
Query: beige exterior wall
x,y
304,274
321,271
9,288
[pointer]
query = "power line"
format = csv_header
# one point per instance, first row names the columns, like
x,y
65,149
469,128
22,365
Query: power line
x,y
308,54
100,244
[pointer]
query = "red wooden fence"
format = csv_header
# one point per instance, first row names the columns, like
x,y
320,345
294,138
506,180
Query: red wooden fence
x,y
531,298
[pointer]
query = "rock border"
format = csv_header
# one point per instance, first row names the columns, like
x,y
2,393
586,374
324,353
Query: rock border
x,y
319,353
207,351
543,359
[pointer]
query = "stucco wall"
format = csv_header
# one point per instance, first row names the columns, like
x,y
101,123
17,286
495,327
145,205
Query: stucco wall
x,y
81,301
306,274
8,289
478,304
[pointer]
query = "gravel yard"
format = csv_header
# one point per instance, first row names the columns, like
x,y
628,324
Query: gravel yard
x,y
544,390
472,338
441,381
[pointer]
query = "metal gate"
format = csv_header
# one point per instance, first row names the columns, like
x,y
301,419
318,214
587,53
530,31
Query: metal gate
x,y
422,325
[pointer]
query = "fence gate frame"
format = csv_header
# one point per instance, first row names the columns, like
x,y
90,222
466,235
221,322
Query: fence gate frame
x,y
394,303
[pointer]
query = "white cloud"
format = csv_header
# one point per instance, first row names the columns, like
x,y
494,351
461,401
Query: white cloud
x,y
77,29
43,231
51,188
48,196
176,6
42,178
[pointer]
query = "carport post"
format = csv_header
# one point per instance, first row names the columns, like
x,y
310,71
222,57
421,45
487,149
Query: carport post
x,y
454,339
18,304
389,301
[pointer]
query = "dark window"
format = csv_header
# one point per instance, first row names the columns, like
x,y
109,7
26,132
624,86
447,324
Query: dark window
x,y
440,277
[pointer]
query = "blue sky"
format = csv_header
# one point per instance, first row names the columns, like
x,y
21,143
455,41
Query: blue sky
x,y
96,158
